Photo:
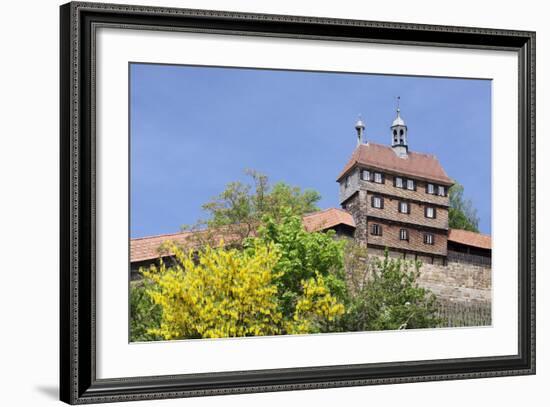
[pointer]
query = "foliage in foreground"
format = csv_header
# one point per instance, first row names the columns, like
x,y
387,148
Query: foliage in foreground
x,y
384,293
221,292
144,313
304,257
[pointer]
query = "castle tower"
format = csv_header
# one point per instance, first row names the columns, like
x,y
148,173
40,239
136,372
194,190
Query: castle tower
x,y
398,198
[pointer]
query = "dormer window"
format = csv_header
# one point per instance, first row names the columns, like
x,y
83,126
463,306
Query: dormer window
x,y
378,178
411,185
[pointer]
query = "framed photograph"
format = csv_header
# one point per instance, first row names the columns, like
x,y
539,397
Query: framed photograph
x,y
254,203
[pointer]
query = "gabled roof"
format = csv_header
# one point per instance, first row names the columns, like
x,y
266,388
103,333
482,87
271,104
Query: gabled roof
x,y
470,238
378,156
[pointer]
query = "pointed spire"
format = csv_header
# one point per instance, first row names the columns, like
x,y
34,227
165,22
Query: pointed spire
x,y
360,128
398,120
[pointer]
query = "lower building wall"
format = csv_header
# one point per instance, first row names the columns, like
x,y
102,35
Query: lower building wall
x,y
459,278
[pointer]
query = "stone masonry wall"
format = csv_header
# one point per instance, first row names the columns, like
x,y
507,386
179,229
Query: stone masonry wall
x,y
458,281
463,279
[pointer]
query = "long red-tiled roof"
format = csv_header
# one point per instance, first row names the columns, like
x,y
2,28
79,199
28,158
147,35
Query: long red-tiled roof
x,y
148,248
151,247
470,238
378,156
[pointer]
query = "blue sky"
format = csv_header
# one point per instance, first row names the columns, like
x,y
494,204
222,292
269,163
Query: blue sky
x,y
195,129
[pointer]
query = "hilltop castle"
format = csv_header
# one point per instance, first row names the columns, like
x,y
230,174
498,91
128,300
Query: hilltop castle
x,y
394,199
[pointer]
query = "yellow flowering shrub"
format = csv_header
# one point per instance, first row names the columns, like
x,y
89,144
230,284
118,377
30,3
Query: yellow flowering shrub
x,y
216,293
316,309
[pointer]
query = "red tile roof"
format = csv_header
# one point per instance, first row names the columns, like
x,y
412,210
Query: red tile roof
x,y
326,219
470,238
148,248
378,156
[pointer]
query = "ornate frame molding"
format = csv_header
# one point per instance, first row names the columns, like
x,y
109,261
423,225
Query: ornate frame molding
x,y
79,21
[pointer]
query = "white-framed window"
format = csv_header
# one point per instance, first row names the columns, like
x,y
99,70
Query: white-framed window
x,y
346,182
428,238
441,190
403,207
430,189
376,229
410,184
377,202
365,175
430,212
403,234
399,182
378,178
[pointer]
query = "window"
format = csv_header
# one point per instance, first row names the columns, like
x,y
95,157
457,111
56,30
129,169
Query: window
x,y
441,191
403,234
430,212
346,182
403,207
376,230
428,238
365,175
398,182
411,185
378,178
377,202
430,188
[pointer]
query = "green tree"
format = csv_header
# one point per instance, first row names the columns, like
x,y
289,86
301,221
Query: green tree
x,y
243,205
384,294
303,256
462,214
144,313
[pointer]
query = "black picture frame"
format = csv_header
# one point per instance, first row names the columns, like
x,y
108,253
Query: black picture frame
x,y
78,382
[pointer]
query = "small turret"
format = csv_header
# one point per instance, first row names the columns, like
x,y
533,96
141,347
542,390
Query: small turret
x,y
399,134
360,128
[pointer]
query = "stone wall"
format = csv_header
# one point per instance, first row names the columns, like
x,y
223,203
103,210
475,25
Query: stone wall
x,y
462,278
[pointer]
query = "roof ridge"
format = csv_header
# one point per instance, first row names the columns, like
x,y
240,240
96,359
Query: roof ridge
x,y
166,234
469,231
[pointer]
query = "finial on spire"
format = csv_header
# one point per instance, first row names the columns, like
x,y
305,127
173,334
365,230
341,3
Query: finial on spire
x,y
398,109
360,128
